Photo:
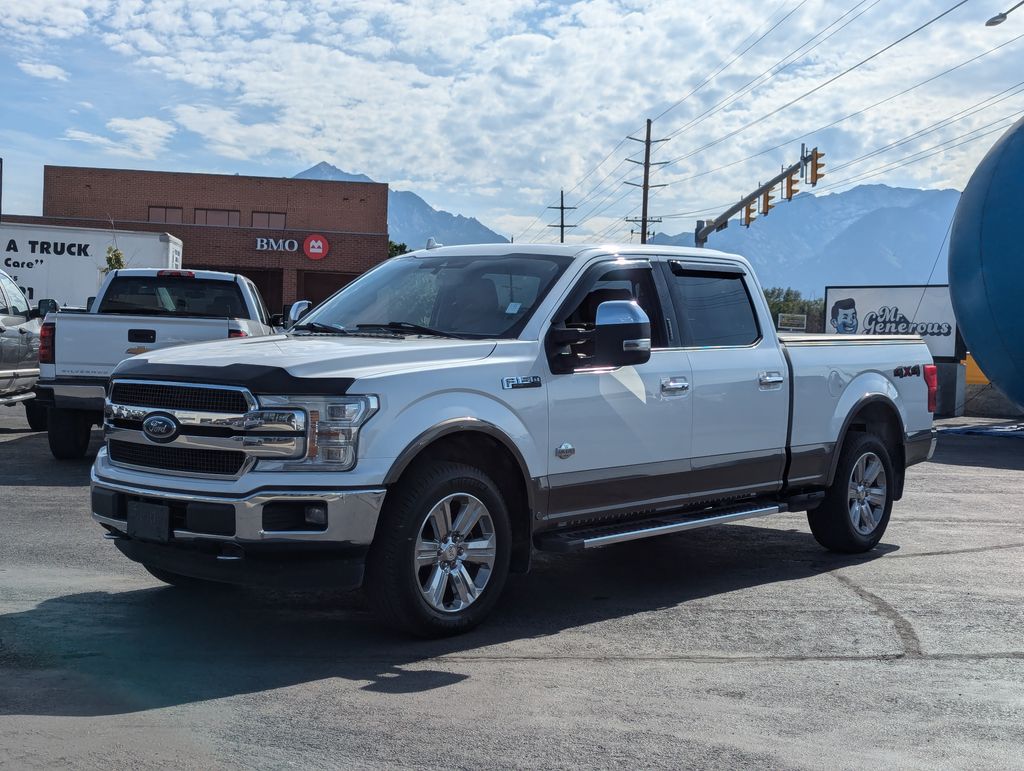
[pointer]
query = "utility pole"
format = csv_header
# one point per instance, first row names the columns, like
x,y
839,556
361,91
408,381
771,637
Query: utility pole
x,y
561,220
644,219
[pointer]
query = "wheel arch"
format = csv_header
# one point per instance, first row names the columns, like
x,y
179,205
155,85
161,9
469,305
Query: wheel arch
x,y
485,446
875,414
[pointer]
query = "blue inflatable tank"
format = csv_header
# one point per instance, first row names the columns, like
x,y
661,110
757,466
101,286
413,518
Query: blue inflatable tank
x,y
986,264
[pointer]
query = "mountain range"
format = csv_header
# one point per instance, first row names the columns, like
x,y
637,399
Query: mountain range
x,y
870,234
411,220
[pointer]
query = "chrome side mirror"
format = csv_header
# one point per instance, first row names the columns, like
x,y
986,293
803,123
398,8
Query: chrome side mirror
x,y
298,309
622,334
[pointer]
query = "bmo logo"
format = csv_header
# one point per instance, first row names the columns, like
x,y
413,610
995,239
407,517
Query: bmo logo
x,y
315,247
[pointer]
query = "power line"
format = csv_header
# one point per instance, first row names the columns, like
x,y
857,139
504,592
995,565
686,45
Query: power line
x,y
775,69
847,117
676,104
818,87
724,66
797,51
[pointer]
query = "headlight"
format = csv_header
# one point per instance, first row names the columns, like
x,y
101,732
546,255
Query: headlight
x,y
332,436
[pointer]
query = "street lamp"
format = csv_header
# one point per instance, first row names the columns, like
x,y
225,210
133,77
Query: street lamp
x,y
999,18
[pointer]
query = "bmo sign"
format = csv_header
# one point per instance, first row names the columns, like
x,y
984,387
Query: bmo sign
x,y
315,247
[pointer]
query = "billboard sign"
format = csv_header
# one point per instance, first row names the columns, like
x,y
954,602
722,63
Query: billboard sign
x,y
894,310
792,322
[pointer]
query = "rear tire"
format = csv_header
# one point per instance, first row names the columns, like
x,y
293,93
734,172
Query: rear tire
x,y
424,575
69,433
36,415
856,509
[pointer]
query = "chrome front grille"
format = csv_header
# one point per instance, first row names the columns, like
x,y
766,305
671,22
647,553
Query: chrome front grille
x,y
163,396
217,431
182,460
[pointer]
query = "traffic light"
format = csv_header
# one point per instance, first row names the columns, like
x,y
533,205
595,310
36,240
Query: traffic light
x,y
766,202
748,214
791,182
816,166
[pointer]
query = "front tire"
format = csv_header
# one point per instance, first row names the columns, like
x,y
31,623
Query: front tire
x,y
856,509
69,432
441,553
36,415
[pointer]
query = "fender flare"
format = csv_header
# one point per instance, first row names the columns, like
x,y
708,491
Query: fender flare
x,y
455,426
864,401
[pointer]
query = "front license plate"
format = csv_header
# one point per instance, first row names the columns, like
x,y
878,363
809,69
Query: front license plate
x,y
149,521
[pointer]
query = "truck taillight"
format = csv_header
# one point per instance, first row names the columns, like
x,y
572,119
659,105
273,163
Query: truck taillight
x,y
931,379
47,333
237,333
177,273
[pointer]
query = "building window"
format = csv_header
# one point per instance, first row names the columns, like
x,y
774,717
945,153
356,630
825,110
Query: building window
x,y
167,214
268,219
222,217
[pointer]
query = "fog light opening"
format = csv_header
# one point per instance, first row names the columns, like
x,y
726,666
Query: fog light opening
x,y
316,514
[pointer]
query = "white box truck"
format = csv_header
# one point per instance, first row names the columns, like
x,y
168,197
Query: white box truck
x,y
66,264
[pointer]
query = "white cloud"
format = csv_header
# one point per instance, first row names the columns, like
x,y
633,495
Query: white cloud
x,y
503,103
138,137
42,70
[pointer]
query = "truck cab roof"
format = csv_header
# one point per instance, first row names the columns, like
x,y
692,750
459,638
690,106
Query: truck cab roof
x,y
578,251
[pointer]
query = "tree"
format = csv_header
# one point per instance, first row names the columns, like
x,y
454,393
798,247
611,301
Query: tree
x,y
115,259
790,301
396,249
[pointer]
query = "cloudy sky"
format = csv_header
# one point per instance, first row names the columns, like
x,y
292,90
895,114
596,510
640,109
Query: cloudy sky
x,y
488,108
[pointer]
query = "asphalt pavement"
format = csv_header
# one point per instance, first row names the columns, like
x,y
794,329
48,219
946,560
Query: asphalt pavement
x,y
743,645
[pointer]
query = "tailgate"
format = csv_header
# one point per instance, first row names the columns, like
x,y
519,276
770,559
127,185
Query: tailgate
x,y
91,345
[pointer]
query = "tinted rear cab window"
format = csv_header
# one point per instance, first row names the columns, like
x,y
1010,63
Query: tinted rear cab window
x,y
714,309
173,296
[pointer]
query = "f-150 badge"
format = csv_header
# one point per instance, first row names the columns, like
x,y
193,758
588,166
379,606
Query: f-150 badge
x,y
530,381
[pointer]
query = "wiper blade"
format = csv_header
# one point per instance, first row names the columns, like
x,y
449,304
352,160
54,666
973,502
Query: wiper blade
x,y
320,326
408,326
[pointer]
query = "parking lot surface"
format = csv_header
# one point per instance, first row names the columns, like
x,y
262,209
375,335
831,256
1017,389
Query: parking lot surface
x,y
740,645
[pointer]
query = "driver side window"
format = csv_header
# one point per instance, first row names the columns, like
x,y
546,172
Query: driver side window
x,y
635,284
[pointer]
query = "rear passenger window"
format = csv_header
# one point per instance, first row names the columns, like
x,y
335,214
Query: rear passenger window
x,y
714,309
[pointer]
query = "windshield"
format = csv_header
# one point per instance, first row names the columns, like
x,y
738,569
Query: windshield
x,y
463,296
173,296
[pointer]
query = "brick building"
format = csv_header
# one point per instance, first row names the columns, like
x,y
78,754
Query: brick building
x,y
295,238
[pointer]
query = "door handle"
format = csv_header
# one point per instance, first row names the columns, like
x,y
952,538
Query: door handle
x,y
770,378
674,385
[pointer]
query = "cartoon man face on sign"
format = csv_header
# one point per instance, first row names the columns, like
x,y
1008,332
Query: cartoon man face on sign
x,y
844,316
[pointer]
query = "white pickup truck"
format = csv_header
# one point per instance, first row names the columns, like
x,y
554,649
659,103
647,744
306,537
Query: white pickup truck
x,y
423,431
136,311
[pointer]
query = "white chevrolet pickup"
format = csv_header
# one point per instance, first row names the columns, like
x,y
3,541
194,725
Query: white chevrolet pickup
x,y
427,428
136,311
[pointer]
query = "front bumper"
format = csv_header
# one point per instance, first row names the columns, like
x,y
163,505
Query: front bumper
x,y
229,538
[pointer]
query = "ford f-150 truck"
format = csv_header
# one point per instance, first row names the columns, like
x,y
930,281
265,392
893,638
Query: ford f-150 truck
x,y
136,311
425,430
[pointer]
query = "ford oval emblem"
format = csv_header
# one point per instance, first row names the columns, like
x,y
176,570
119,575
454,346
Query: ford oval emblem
x,y
160,428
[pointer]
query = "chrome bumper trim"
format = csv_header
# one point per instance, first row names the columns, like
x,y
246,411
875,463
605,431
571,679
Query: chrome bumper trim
x,y
351,514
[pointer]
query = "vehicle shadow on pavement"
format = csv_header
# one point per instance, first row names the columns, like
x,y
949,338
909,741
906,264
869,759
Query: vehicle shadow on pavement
x,y
1001,452
27,462
98,653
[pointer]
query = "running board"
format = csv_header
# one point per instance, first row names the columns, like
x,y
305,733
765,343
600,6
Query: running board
x,y
605,535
